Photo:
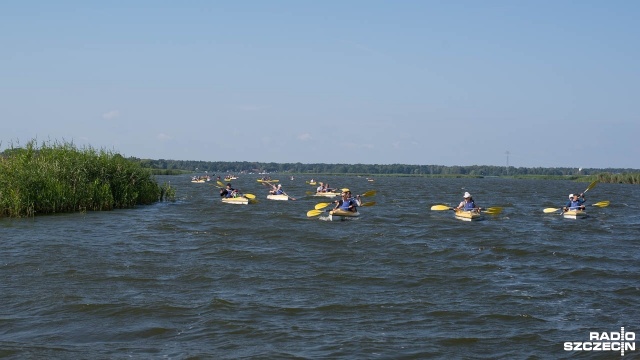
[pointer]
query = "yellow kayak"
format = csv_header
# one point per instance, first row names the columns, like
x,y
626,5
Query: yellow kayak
x,y
575,214
468,215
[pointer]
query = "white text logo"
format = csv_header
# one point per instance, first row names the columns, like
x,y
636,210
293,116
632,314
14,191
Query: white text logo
x,y
606,341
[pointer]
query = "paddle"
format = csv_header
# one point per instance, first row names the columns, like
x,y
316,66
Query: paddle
x,y
441,207
274,188
319,206
591,186
491,210
323,205
311,213
604,203
292,198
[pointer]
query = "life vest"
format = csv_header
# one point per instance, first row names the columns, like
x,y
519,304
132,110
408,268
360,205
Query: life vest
x,y
344,205
469,205
575,204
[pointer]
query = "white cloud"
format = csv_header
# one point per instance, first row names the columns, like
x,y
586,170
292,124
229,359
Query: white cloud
x,y
163,137
304,137
111,114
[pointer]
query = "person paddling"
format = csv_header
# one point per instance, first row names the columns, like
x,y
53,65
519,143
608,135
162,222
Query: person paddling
x,y
347,203
576,202
276,190
468,204
228,191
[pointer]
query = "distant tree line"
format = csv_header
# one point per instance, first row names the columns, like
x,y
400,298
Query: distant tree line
x,y
239,167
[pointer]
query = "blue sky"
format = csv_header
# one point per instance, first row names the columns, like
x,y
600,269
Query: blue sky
x,y
554,83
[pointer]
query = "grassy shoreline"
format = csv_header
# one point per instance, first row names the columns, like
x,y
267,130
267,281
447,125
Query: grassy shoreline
x,y
59,178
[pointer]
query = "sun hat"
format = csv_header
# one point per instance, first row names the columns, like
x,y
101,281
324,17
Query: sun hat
x,y
466,195
570,195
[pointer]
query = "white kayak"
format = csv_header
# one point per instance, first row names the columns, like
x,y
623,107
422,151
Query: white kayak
x,y
240,200
280,197
327,194
468,215
574,214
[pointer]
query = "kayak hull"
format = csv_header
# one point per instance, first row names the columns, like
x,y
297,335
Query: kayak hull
x,y
469,215
237,200
327,194
341,215
277,197
267,181
575,214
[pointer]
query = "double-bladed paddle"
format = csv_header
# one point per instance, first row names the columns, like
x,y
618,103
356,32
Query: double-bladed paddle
x,y
323,205
491,210
591,186
604,203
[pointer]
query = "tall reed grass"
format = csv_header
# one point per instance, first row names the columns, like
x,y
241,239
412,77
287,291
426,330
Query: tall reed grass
x,y
58,177
622,178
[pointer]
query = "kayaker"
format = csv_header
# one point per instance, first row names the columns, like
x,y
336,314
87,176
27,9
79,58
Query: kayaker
x,y
576,202
276,190
468,204
347,203
228,191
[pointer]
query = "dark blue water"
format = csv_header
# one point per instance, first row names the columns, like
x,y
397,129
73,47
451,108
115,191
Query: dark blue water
x,y
200,279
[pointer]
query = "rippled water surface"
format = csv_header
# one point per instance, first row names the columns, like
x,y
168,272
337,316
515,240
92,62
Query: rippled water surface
x,y
200,279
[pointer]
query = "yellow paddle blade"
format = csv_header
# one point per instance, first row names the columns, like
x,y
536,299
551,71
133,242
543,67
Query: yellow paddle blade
x,y
440,207
370,203
249,196
591,186
311,213
309,193
321,205
550,210
220,183
602,203
369,193
493,210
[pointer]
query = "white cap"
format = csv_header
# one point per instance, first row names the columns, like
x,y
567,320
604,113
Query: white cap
x,y
466,195
570,196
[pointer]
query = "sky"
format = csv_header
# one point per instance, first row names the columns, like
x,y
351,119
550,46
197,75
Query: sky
x,y
524,83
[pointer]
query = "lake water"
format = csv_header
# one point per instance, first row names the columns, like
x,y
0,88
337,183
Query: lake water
x,y
197,278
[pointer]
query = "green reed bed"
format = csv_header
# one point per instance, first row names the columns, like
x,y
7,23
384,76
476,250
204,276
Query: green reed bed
x,y
622,178
58,178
